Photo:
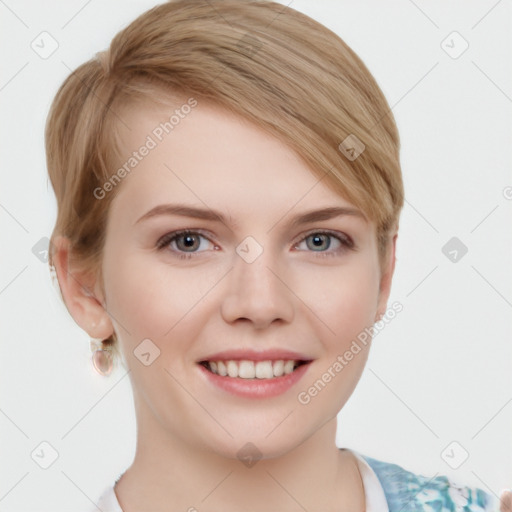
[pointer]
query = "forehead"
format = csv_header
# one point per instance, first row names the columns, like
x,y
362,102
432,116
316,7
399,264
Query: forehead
x,y
197,152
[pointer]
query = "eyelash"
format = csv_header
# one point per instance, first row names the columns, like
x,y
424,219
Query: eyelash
x,y
346,242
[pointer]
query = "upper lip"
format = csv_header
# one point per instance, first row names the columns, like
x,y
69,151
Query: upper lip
x,y
256,355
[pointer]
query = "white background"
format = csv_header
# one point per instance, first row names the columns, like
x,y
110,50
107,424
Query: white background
x,y
439,372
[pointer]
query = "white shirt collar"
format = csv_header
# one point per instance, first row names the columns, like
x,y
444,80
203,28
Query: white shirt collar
x,y
373,491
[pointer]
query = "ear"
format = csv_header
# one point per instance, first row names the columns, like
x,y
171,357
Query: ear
x,y
80,290
386,279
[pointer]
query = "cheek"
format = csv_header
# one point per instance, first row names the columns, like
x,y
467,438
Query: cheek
x,y
150,301
345,306
344,299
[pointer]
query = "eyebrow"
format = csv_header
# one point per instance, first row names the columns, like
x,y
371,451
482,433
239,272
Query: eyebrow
x,y
212,215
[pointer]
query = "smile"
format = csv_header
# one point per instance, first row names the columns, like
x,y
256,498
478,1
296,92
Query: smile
x,y
253,379
247,369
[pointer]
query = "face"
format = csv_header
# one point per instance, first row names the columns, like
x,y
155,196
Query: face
x,y
258,281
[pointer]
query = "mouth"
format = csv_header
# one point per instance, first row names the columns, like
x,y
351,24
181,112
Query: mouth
x,y
253,370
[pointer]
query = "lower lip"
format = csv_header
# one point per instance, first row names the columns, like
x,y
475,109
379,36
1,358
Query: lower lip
x,y
256,388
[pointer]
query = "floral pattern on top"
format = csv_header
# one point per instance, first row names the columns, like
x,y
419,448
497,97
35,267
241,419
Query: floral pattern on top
x,y
409,492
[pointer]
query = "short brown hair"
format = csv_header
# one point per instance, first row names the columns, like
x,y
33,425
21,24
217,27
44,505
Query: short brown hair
x,y
269,63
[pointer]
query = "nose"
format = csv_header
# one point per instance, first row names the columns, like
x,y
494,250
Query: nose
x,y
257,292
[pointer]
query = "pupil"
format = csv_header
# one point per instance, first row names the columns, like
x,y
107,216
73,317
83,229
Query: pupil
x,y
318,239
188,241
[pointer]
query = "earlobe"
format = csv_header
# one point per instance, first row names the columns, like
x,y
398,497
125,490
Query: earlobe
x,y
77,291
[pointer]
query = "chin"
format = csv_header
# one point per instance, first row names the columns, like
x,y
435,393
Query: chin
x,y
257,445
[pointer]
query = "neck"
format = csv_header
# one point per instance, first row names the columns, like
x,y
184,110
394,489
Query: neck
x,y
170,474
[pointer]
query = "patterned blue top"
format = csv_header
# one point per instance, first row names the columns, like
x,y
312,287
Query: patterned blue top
x,y
409,492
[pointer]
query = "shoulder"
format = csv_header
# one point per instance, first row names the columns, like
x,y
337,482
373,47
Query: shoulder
x,y
413,492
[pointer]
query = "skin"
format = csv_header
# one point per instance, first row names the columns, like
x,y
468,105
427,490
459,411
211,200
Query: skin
x,y
295,296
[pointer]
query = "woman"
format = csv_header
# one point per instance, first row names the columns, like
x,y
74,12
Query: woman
x,y
229,191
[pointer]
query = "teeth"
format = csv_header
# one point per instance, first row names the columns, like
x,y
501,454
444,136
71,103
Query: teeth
x,y
221,369
253,369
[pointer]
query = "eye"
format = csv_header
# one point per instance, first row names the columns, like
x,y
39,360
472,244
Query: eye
x,y
187,243
184,241
320,242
